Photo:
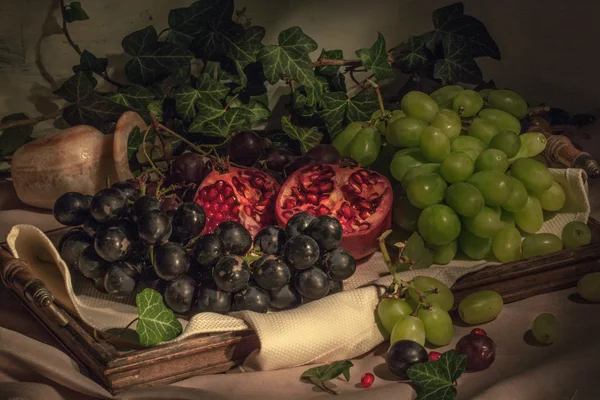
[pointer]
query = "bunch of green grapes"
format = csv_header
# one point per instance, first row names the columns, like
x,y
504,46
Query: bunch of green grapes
x,y
472,181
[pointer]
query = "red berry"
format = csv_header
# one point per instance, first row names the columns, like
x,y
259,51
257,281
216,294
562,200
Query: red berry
x,y
434,355
479,331
367,380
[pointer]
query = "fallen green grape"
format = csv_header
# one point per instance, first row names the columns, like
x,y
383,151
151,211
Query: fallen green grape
x,y
408,328
457,166
509,101
506,245
474,247
437,324
465,199
434,144
541,244
530,218
391,310
438,224
426,285
483,130
546,328
419,105
467,103
576,234
589,287
501,119
449,122
491,160
480,307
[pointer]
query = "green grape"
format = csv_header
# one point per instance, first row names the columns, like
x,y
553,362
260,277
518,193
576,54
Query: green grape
x,y
405,132
426,190
506,245
576,234
405,215
465,199
426,285
438,224
395,115
343,139
449,122
493,185
530,218
480,307
486,224
414,152
554,198
402,164
391,310
517,199
532,144
467,103
470,145
423,169
366,146
508,218
434,144
443,254
444,95
419,105
540,244
503,120
535,176
474,247
546,328
508,142
381,125
589,287
457,167
408,328
483,130
438,325
485,93
491,160
509,101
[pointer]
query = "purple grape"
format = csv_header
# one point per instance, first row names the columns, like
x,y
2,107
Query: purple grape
x,y
252,298
284,298
132,193
213,299
120,279
338,264
312,283
170,261
324,154
404,353
271,272
188,168
231,273
298,223
270,240
246,148
278,159
71,209
109,204
479,349
91,265
179,294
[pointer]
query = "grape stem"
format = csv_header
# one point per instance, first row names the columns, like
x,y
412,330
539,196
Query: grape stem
x,y
321,384
154,167
111,337
379,97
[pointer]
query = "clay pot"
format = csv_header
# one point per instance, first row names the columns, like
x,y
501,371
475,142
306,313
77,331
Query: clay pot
x,y
78,159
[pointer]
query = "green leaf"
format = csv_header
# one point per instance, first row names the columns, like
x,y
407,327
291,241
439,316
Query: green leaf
x,y
457,65
187,96
152,59
135,140
89,62
155,107
361,107
76,88
435,379
259,111
135,97
94,110
415,57
156,322
415,247
329,371
308,138
375,59
13,138
330,55
234,120
338,110
187,22
425,260
73,12
208,109
211,87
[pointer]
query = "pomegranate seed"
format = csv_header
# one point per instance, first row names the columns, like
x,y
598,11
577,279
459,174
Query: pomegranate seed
x,y
312,199
434,355
219,216
367,380
212,193
235,210
364,214
289,203
356,178
204,192
479,331
220,198
228,191
326,187
287,214
346,210
230,201
258,182
209,213
364,205
219,185
224,208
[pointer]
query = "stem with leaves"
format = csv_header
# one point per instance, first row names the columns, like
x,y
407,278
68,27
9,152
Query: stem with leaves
x,y
31,121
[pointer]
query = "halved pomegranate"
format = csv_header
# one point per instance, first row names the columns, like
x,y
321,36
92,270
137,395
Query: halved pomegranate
x,y
360,198
243,195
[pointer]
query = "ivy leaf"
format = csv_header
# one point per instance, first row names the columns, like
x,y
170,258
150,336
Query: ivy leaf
x,y
187,96
259,111
76,88
324,373
211,87
135,140
451,23
457,65
187,22
425,259
337,83
330,55
73,12
308,138
375,59
361,107
156,322
415,247
13,138
135,97
339,110
94,110
155,107
234,120
152,59
435,379
208,110
89,62
415,57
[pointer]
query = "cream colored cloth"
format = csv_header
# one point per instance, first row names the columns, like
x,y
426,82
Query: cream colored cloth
x,y
340,326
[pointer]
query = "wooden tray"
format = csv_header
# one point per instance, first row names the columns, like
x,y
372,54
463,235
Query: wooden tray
x,y
208,354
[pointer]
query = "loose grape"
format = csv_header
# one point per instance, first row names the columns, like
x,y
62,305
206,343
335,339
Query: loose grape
x,y
540,244
479,349
391,310
493,185
530,218
401,164
480,307
408,328
507,142
576,234
506,245
449,122
401,355
486,224
426,190
444,95
491,160
405,132
434,144
589,287
438,224
426,285
457,166
465,199
467,103
470,145
509,101
474,247
405,215
443,254
419,105
419,170
546,328
483,130
437,324
554,198
503,120
517,199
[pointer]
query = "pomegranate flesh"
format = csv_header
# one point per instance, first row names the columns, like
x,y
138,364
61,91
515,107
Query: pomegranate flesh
x,y
241,195
359,198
